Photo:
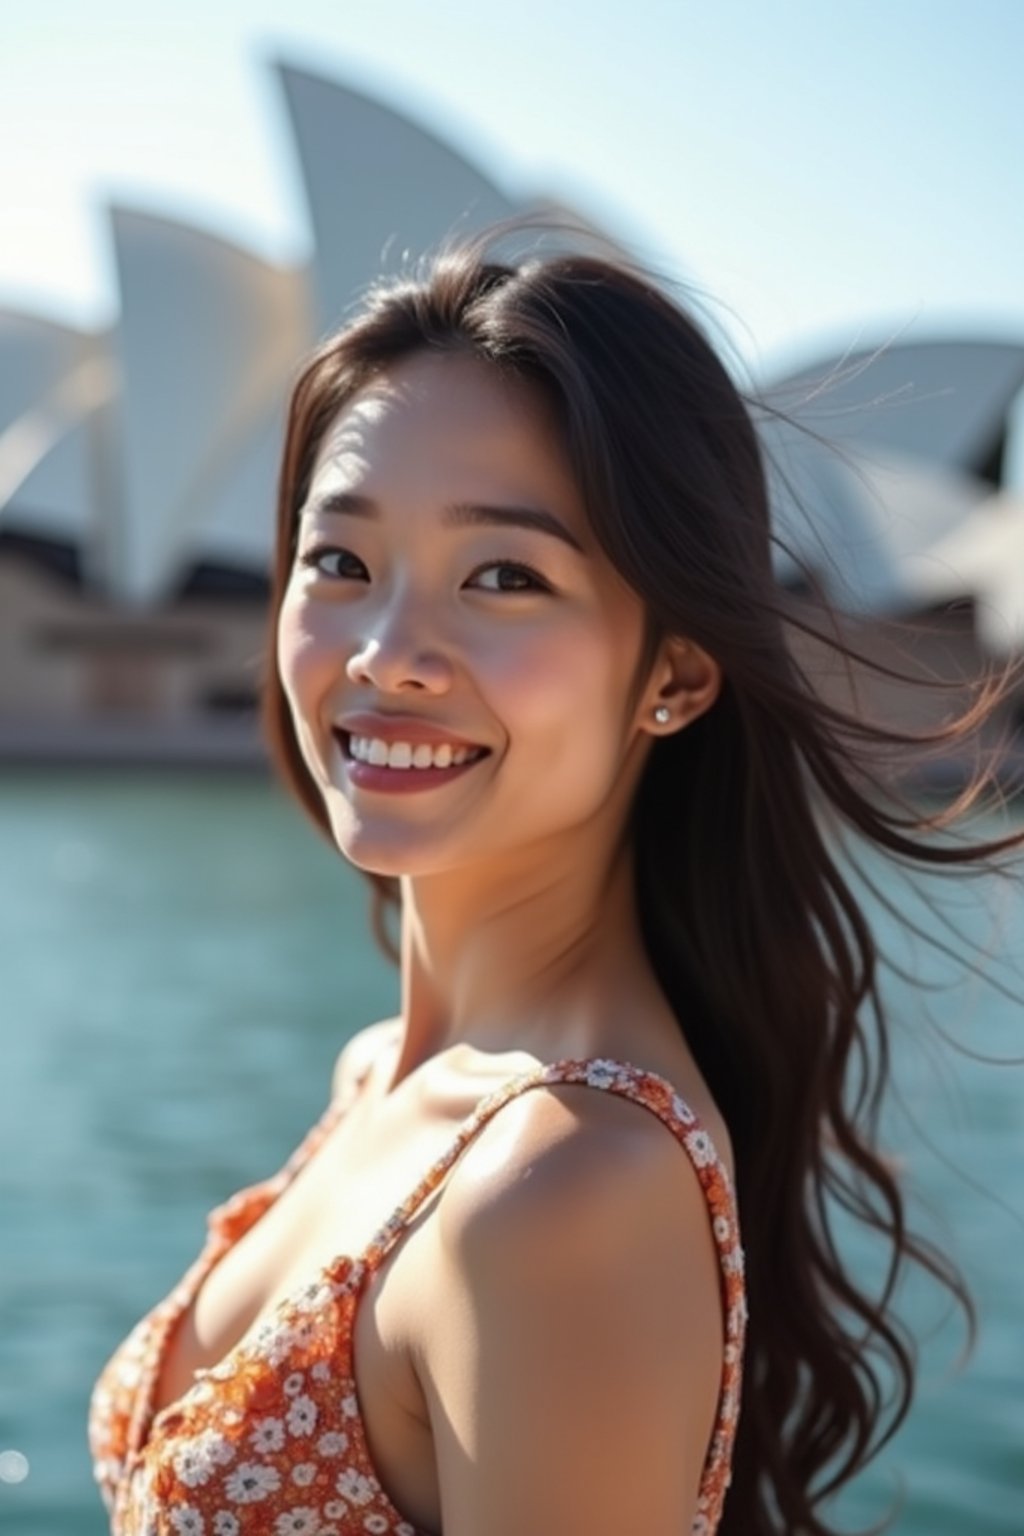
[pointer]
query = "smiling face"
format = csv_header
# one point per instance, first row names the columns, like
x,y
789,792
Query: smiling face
x,y
447,590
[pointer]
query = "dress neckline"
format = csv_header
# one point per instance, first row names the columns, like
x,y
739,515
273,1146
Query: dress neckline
x,y
352,1271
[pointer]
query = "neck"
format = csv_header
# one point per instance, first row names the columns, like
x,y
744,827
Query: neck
x,y
541,955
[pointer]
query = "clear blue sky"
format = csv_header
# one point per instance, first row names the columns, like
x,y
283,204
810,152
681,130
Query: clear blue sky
x,y
822,171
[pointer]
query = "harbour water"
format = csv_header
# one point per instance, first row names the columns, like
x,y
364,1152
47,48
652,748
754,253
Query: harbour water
x,y
182,959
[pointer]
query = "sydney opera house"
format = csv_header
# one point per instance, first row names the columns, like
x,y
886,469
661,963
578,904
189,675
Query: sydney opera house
x,y
138,465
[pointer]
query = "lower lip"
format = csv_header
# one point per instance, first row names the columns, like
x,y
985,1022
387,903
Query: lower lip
x,y
400,781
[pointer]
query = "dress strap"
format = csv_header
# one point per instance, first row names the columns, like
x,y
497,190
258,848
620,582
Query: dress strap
x,y
654,1092
658,1096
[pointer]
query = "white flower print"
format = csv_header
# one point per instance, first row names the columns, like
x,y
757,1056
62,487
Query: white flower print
x,y
732,1261
313,1298
701,1526
303,1474
250,1482
354,1486
601,1073
187,1521
332,1443
297,1522
302,1415
335,1509
293,1384
275,1342
303,1332
722,1228
699,1143
220,1447
349,1406
225,1523
197,1459
376,1525
682,1110
321,1371
267,1436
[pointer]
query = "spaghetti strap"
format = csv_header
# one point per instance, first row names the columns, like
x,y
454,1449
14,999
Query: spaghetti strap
x,y
658,1096
243,1432
654,1092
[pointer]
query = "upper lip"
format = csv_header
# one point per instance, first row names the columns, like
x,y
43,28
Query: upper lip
x,y
402,728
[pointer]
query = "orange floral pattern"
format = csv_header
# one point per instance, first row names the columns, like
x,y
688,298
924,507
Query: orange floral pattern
x,y
271,1439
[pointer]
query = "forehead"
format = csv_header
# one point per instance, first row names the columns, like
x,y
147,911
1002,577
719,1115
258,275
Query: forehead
x,y
454,416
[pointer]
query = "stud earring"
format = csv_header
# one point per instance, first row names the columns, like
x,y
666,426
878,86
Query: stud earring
x,y
663,714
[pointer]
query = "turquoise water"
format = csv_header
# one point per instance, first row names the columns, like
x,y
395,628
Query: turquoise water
x,y
182,960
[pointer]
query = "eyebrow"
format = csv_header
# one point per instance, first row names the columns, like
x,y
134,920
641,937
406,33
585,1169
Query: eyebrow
x,y
461,514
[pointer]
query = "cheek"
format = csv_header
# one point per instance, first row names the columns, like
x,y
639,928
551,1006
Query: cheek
x,y
563,694
302,661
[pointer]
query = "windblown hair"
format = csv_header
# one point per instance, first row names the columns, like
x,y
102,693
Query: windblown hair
x,y
756,937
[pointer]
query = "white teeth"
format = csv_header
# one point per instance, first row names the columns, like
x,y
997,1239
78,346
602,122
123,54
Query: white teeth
x,y
403,755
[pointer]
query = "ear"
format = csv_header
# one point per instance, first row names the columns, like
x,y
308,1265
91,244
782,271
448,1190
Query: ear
x,y
685,680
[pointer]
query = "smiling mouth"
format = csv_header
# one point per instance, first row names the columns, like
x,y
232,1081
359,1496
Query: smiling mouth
x,y
407,757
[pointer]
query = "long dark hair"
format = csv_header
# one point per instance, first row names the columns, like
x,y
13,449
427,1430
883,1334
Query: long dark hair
x,y
754,933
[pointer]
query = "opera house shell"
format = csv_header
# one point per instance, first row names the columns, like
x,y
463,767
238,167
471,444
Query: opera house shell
x,y
138,466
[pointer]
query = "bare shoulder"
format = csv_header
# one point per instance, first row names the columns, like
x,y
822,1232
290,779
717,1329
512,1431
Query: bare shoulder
x,y
570,1159
578,1263
357,1056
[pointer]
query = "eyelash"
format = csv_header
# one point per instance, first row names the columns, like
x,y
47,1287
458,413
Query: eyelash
x,y
311,556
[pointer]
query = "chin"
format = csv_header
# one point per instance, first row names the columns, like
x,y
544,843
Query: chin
x,y
392,851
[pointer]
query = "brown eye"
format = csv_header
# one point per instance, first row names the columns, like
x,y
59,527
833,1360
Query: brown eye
x,y
320,552
511,576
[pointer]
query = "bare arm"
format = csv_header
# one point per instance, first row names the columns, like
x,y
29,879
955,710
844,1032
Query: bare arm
x,y
574,1358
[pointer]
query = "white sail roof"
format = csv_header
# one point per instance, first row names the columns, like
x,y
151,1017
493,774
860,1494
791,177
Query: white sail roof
x,y
378,185
943,400
56,388
207,339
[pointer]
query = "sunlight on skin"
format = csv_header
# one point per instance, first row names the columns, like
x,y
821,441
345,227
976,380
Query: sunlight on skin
x,y
515,882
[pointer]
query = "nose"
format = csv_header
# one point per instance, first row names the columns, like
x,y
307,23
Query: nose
x,y
394,658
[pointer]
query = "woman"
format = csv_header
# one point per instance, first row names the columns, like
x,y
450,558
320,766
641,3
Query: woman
x,y
531,676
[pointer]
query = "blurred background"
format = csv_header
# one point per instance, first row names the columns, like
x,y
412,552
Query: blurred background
x,y
189,199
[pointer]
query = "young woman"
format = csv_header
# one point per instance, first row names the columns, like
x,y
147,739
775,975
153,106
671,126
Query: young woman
x,y
531,675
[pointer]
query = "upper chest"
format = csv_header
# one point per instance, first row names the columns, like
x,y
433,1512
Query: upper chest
x,y
365,1167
